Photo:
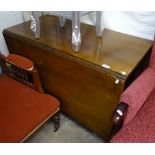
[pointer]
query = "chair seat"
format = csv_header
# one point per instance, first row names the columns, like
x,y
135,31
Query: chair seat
x,y
142,128
22,109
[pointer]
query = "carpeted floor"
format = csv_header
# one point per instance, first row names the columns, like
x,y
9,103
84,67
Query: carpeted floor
x,y
69,132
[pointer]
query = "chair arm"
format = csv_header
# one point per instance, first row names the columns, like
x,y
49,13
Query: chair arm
x,y
118,117
120,113
137,93
20,61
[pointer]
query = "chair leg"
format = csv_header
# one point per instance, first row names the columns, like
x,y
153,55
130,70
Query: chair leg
x,y
56,120
35,24
76,34
62,21
98,23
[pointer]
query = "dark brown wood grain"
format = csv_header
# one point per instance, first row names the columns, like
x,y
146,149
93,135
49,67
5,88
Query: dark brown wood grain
x,y
87,90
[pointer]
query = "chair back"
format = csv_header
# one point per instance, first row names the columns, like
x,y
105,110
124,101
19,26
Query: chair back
x,y
21,69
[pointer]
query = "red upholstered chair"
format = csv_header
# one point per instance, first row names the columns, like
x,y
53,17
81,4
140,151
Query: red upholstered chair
x,y
139,102
23,105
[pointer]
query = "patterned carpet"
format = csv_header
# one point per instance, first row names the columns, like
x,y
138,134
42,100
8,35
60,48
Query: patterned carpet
x,y
69,132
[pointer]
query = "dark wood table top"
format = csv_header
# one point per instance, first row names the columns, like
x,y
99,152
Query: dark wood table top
x,y
120,51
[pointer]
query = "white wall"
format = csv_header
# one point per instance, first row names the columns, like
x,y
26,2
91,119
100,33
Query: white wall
x,y
7,19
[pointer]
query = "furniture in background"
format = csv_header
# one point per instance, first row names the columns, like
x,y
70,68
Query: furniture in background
x,y
139,113
76,32
23,105
88,83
